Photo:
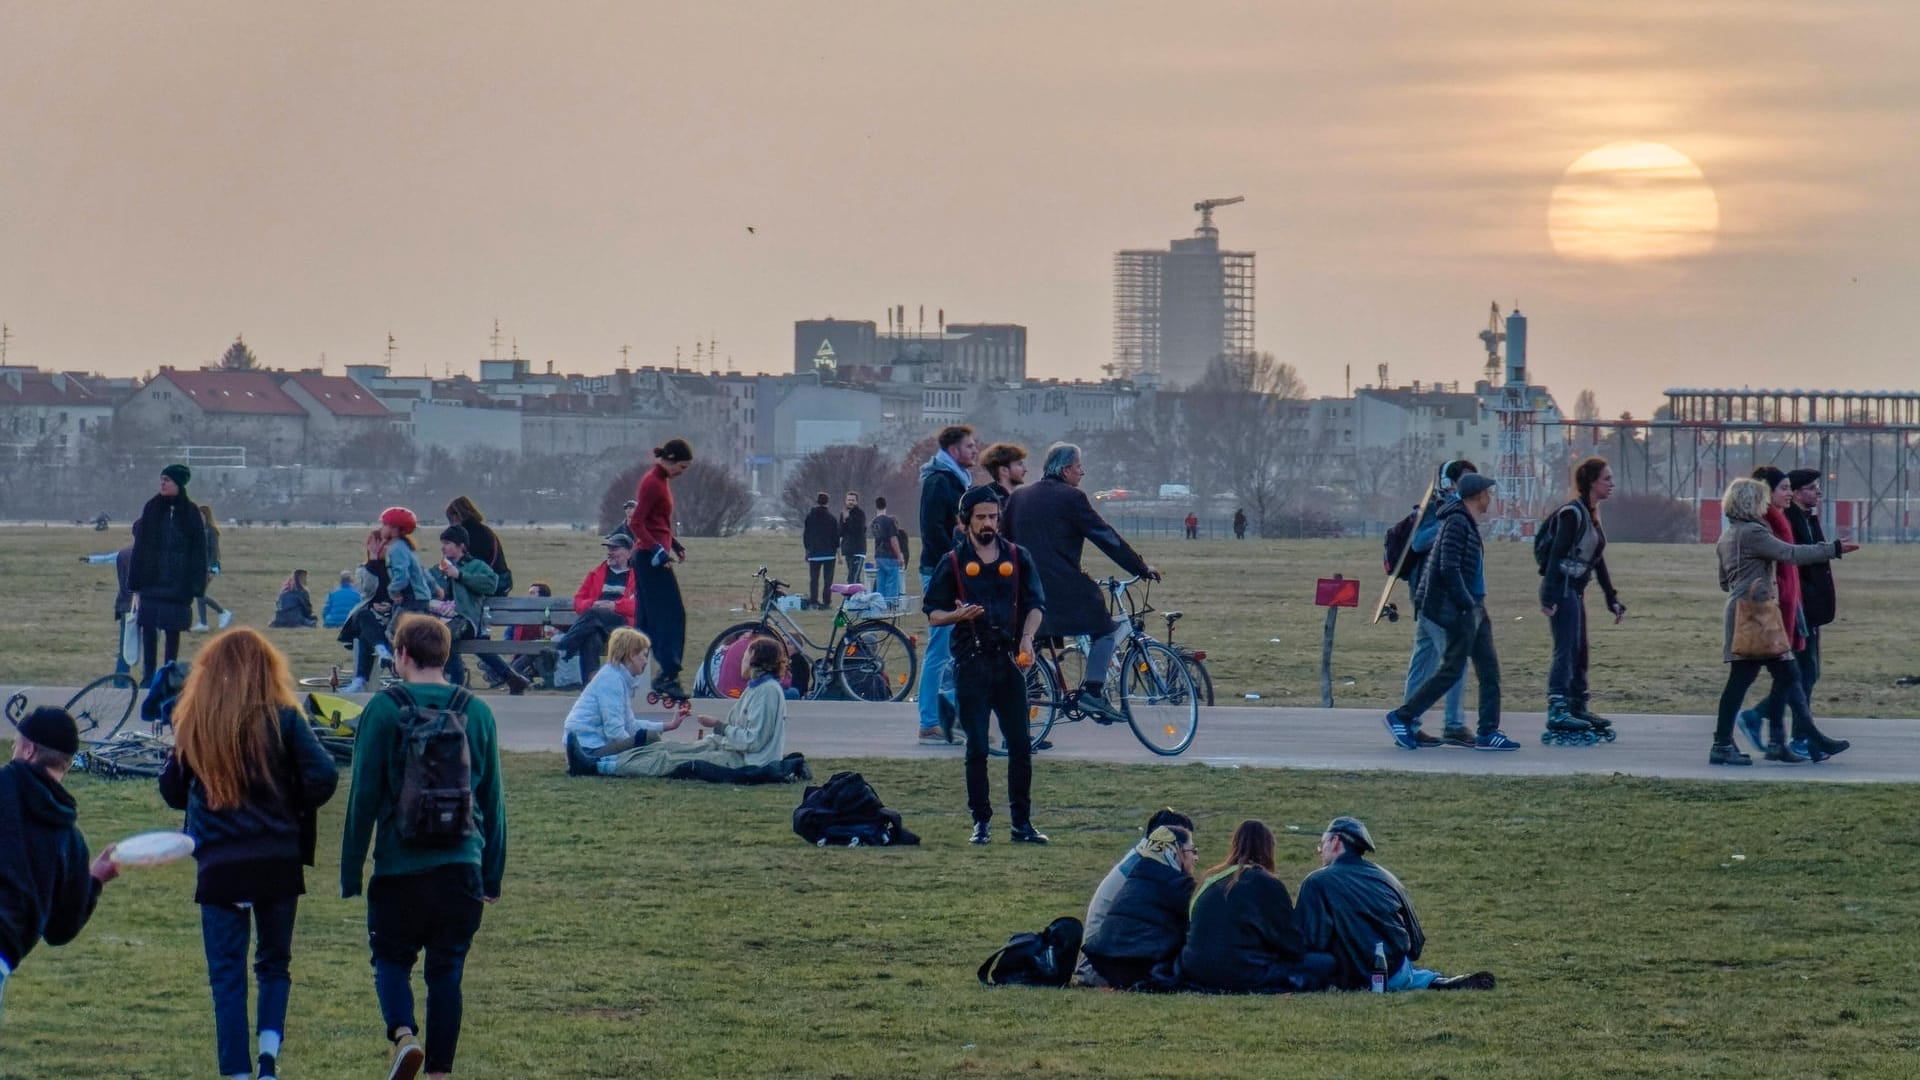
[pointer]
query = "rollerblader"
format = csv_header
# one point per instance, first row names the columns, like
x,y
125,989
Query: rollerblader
x,y
1570,549
662,613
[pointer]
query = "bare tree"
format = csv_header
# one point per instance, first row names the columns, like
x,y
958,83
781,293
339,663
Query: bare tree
x,y
1385,478
1247,423
837,470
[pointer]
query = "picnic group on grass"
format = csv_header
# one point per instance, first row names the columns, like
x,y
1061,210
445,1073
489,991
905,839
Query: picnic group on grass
x,y
1000,568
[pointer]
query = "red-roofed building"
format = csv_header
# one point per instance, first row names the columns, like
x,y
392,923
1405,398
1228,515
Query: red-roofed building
x,y
339,409
45,415
229,408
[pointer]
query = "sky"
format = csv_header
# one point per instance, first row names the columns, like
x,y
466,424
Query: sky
x,y
317,176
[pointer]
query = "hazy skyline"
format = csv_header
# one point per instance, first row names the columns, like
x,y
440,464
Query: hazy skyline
x,y
316,176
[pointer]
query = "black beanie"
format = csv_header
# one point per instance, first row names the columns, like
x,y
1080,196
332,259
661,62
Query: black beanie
x,y
179,474
455,534
52,728
1770,476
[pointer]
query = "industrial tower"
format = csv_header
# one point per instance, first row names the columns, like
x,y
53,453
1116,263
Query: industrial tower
x,y
1517,501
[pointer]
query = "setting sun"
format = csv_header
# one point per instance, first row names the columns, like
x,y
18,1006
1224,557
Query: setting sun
x,y
1626,202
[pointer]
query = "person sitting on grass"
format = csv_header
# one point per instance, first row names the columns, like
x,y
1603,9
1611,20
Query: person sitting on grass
x,y
1110,885
340,602
294,609
1349,907
745,748
1146,925
47,889
1243,937
601,723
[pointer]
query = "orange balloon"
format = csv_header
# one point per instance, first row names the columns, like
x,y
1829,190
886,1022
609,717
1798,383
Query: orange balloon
x,y
973,569
1006,569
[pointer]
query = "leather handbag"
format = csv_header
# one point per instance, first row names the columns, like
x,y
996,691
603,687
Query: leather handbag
x,y
1759,633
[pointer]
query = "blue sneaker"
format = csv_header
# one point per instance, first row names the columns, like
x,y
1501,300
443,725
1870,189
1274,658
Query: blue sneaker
x,y
1750,723
1495,741
1402,734
1804,749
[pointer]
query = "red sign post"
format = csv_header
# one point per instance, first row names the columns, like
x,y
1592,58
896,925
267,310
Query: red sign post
x,y
1333,594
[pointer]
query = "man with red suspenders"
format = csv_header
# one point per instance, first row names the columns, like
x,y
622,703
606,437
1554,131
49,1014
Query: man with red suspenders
x,y
990,593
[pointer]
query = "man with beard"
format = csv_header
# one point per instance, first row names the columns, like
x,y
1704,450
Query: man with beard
x,y
990,595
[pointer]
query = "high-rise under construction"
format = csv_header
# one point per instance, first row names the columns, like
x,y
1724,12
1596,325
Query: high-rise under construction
x,y
1174,311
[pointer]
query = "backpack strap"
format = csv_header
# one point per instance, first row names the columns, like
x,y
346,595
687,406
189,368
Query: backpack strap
x,y
400,696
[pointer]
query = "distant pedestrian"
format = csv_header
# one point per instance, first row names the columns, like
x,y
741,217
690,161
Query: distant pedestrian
x,y
820,536
1577,555
1817,599
294,608
47,888
943,479
1239,524
251,777
1428,638
889,550
853,539
213,570
663,612
122,561
169,569
1193,525
1452,594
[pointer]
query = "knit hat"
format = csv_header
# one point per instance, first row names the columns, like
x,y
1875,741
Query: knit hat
x,y
974,497
1769,475
1351,832
454,533
52,728
1803,478
1473,484
401,518
179,474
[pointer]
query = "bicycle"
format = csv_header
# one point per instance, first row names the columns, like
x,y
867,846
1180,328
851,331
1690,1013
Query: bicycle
x,y
1196,660
868,660
1148,682
100,710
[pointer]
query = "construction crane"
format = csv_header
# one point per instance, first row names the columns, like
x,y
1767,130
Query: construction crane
x,y
1206,208
1491,337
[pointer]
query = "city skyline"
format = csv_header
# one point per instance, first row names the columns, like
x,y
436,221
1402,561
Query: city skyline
x,y
316,179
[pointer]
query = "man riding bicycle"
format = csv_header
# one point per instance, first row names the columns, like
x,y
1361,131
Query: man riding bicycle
x,y
1051,521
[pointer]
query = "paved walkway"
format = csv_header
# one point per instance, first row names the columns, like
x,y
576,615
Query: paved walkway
x,y
1236,736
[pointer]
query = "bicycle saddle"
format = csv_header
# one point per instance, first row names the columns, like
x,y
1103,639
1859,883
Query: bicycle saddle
x,y
1172,617
848,588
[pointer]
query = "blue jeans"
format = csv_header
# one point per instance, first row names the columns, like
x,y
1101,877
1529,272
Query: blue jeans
x,y
939,658
886,577
1410,977
437,910
1428,640
224,929
4,972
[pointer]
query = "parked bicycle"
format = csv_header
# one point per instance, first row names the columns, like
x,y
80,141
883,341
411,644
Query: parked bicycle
x,y
1195,660
1148,682
867,660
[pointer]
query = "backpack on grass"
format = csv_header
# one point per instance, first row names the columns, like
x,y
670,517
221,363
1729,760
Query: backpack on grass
x,y
436,772
1544,536
847,812
1043,959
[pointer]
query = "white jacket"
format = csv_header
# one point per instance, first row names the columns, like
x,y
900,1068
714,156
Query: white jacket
x,y
604,711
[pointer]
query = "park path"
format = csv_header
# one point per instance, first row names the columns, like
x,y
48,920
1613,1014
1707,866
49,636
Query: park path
x,y
1675,747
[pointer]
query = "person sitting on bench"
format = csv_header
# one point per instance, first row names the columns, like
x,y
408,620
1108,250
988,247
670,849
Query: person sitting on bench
x,y
745,748
601,723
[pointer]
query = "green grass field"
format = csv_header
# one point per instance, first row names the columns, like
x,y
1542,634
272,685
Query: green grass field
x,y
678,930
1249,605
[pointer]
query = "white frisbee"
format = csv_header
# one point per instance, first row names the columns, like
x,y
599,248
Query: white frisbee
x,y
153,849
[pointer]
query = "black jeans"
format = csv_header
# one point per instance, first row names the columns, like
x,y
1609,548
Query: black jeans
x,y
1471,638
820,573
1567,678
776,773
587,637
150,651
856,566
437,910
1786,686
1807,660
663,617
994,683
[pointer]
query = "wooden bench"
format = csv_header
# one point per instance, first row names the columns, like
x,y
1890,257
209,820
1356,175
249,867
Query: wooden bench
x,y
504,612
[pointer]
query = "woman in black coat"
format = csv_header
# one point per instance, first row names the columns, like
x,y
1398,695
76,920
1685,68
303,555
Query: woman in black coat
x,y
169,568
1242,937
1147,922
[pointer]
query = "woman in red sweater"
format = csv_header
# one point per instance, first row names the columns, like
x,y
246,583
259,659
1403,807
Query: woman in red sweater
x,y
663,615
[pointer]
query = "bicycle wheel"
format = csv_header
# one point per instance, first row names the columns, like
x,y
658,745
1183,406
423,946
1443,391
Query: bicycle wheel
x,y
1160,701
17,707
1202,680
103,705
876,661
706,681
1046,703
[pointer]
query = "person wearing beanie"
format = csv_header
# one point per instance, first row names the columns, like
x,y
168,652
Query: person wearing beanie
x,y
1818,603
169,568
1350,907
1451,592
462,582
663,614
48,887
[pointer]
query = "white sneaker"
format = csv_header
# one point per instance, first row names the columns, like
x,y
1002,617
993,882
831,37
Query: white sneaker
x,y
198,628
357,686
383,652
225,618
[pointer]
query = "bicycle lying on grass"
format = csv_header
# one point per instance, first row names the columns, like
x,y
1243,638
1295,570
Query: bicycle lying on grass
x,y
108,747
867,660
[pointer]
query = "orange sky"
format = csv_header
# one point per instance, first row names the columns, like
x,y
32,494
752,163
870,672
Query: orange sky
x,y
315,175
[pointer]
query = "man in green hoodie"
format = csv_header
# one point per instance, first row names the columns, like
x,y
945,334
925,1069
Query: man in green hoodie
x,y
421,896
464,583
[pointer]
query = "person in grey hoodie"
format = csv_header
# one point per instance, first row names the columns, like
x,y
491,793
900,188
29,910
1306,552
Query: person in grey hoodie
x,y
943,479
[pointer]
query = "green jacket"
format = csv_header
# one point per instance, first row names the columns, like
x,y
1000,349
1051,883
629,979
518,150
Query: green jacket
x,y
469,591
377,763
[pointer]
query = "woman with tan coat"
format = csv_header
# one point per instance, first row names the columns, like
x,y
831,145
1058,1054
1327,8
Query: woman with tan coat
x,y
1749,556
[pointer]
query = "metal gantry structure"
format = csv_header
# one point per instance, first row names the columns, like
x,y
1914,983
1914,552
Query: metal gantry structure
x,y
1518,467
1175,310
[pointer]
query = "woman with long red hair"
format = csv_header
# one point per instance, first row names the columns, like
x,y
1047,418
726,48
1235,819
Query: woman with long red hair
x,y
250,775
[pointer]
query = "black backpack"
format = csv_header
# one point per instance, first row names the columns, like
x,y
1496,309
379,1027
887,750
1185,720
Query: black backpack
x,y
1399,540
435,808
847,812
1043,959
1544,534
